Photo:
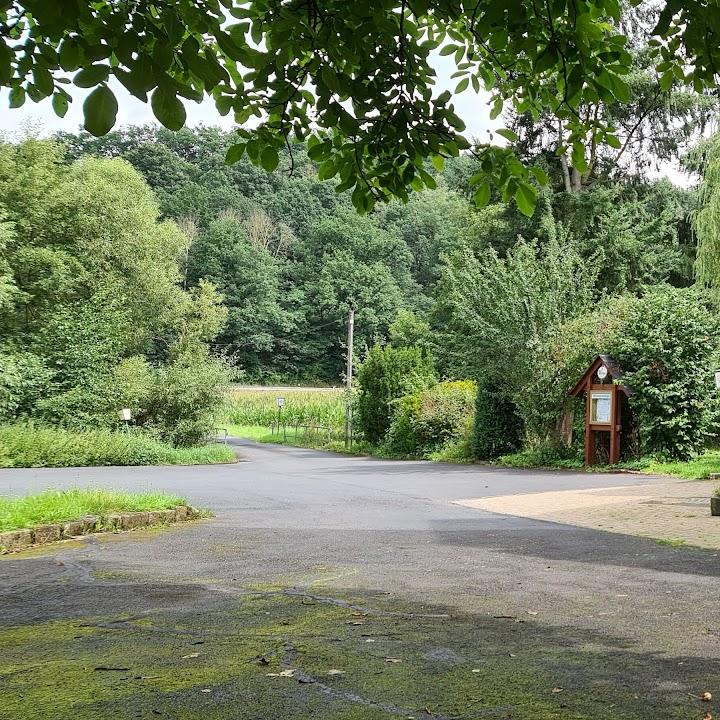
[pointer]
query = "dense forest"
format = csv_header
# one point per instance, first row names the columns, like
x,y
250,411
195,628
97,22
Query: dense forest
x,y
290,255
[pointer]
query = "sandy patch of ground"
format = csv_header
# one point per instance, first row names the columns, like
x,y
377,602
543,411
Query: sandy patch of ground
x,y
675,511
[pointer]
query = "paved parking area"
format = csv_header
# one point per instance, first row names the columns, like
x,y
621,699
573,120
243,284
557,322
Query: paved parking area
x,y
342,588
676,512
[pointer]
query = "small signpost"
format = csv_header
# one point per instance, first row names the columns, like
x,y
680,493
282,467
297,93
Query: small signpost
x,y
126,415
280,402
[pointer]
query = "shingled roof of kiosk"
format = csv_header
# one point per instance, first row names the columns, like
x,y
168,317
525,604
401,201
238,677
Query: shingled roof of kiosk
x,y
614,374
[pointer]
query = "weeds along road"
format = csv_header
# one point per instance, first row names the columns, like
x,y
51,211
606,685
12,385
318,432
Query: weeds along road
x,y
330,586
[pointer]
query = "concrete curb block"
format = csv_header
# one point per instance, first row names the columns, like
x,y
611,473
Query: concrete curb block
x,y
15,540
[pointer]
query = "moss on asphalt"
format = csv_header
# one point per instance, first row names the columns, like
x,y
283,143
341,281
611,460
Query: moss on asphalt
x,y
219,665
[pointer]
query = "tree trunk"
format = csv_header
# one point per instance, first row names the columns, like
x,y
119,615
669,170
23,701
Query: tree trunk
x,y
576,180
565,173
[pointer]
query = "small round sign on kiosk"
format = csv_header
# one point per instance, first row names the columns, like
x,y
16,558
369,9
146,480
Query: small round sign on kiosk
x,y
602,372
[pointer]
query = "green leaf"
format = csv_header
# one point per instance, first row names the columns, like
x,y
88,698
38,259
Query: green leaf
x,y
269,158
666,80
462,85
6,58
168,109
234,153
328,76
497,108
482,195
60,104
526,198
43,80
448,50
540,175
224,104
439,162
100,110
327,170
91,76
17,97
578,157
507,134
69,55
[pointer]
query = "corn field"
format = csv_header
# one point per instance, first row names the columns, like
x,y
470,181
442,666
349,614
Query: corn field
x,y
303,406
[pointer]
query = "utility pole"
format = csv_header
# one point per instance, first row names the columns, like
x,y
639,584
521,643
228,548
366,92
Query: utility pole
x,y
348,379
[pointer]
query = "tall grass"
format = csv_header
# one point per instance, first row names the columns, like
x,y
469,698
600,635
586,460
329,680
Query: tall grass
x,y
54,506
34,446
303,406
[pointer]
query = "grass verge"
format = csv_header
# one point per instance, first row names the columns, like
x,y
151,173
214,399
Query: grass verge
x,y
538,459
53,506
33,446
698,468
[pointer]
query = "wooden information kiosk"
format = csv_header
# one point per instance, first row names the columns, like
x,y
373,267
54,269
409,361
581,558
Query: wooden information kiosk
x,y
604,395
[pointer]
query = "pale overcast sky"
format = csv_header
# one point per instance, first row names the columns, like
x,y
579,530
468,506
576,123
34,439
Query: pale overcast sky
x,y
472,109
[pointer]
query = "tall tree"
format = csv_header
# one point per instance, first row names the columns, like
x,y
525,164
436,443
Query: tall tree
x,y
249,274
706,221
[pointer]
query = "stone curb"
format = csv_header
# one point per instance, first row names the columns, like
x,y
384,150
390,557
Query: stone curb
x,y
15,540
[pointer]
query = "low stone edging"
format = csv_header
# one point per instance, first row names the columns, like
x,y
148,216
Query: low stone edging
x,y
14,540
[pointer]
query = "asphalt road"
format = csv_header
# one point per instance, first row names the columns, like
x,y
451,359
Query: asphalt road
x,y
557,621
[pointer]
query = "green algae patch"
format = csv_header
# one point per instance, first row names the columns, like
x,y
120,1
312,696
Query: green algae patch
x,y
272,654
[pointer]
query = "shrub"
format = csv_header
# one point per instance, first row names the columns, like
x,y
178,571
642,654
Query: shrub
x,y
387,374
23,380
187,398
667,348
428,420
497,429
40,446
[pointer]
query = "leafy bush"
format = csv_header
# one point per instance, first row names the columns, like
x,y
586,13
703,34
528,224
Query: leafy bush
x,y
23,380
497,429
410,330
385,376
428,420
34,446
499,315
667,347
667,343
187,398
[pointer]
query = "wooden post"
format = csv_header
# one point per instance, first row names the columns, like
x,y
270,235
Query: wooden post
x,y
615,428
589,437
348,379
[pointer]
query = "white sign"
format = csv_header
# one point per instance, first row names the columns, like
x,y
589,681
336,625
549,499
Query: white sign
x,y
602,372
600,405
717,379
125,414
280,402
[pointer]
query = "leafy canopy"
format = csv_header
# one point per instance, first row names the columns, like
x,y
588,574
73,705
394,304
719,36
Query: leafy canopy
x,y
355,79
